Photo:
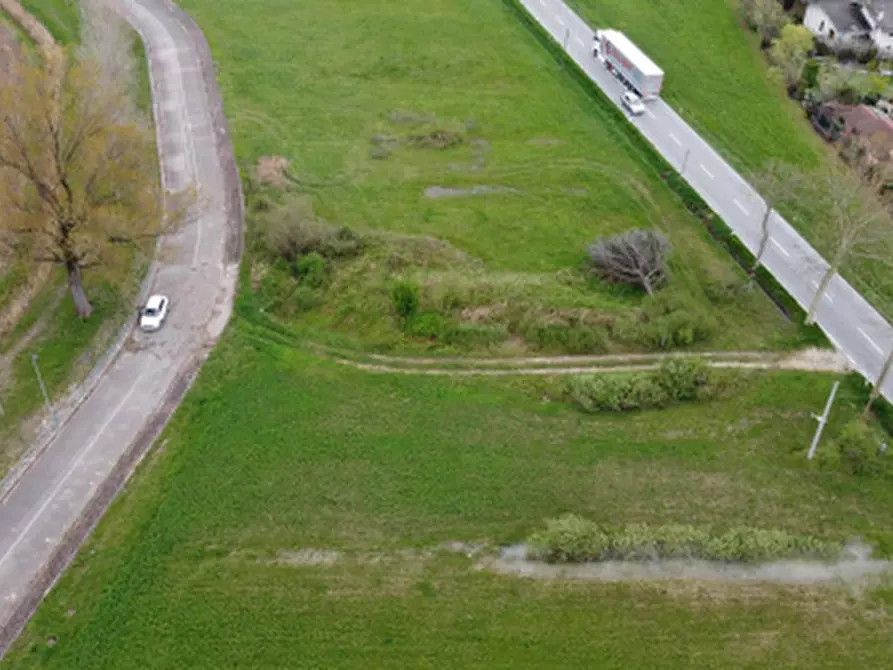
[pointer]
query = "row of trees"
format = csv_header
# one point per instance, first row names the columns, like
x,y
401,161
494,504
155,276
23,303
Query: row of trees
x,y
77,174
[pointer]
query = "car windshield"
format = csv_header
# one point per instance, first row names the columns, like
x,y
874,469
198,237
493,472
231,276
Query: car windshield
x,y
150,311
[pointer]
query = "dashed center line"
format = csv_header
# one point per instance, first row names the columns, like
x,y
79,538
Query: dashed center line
x,y
780,248
706,171
870,341
675,139
740,206
560,20
579,41
649,113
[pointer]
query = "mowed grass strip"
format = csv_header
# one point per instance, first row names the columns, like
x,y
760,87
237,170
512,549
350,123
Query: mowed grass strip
x,y
277,452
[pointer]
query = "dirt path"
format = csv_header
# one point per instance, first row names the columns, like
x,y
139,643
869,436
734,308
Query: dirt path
x,y
808,360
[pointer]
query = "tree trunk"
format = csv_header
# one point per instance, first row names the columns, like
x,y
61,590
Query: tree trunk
x,y
878,385
819,294
764,240
81,303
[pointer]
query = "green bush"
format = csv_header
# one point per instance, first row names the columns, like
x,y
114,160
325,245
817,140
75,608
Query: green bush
x,y
406,299
677,380
291,231
431,325
311,270
306,298
617,392
666,322
572,539
684,379
859,449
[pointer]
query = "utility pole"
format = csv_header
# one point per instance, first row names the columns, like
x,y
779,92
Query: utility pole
x,y
878,385
822,421
43,389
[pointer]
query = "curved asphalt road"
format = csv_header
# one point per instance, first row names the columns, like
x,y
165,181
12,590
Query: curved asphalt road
x,y
66,486
853,325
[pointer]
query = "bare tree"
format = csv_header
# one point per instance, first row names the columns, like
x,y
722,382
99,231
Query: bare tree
x,y
77,178
858,221
773,185
636,257
878,386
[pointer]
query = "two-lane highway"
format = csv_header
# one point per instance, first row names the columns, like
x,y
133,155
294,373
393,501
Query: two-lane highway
x,y
850,322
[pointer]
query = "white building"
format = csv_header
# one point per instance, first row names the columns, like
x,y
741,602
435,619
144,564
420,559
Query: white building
x,y
852,23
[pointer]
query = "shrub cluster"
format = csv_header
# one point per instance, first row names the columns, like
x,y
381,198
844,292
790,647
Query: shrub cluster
x,y
856,450
292,231
572,539
677,380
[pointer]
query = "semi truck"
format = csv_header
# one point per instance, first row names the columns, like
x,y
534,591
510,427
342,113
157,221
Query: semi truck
x,y
628,63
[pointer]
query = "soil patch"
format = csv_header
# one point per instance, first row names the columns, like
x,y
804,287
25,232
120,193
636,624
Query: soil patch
x,y
854,568
272,170
438,192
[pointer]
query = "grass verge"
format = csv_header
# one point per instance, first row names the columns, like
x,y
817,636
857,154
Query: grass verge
x,y
202,562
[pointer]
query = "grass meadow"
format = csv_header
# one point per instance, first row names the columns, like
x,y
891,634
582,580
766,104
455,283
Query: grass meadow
x,y
278,454
351,109
276,451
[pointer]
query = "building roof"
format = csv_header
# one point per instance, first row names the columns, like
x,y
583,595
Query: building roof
x,y
846,15
881,13
866,122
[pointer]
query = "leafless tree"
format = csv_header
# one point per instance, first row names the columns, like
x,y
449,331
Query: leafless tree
x,y
858,224
774,186
636,257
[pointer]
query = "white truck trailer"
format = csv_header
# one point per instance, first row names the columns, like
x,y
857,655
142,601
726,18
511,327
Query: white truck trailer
x,y
628,63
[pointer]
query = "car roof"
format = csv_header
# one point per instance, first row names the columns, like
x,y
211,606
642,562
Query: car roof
x,y
155,302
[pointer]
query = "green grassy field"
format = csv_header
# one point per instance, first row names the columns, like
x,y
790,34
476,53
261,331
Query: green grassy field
x,y
352,109
61,17
275,451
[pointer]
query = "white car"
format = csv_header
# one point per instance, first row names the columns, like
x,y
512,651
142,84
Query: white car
x,y
632,103
154,313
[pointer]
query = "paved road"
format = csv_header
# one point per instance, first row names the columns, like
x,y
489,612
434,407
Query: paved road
x,y
198,272
852,324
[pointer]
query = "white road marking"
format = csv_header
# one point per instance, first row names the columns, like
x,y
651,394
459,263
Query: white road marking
x,y
675,139
649,113
740,206
706,171
829,298
870,341
579,41
62,482
560,20
543,3
780,248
